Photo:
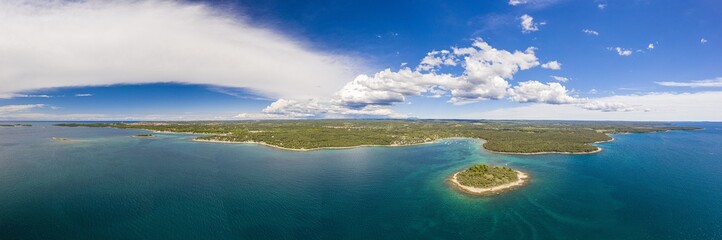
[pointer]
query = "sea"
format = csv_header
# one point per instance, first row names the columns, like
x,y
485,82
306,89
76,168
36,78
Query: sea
x,y
105,184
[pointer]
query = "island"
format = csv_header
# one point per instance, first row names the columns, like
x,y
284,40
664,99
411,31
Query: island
x,y
143,135
59,139
482,179
16,125
506,137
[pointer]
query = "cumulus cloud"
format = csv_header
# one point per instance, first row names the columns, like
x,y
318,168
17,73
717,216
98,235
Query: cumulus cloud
x,y
602,6
590,32
650,46
93,43
716,82
535,91
703,41
528,25
559,79
486,76
553,65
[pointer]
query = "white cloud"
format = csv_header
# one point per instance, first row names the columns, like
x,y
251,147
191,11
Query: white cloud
x,y
528,24
84,95
535,91
703,41
650,46
9,109
486,71
590,32
554,65
716,82
59,44
533,3
602,6
593,91
621,51
485,77
559,79
517,2
295,109
607,106
18,95
700,106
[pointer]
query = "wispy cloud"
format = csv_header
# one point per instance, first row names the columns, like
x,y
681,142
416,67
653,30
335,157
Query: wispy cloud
x,y
716,82
559,79
703,41
8,109
700,106
18,95
517,2
590,32
621,51
84,95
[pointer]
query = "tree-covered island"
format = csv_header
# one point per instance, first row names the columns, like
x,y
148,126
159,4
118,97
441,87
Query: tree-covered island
x,y
484,179
513,137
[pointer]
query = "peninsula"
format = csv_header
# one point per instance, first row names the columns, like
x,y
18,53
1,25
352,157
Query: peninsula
x,y
483,179
508,137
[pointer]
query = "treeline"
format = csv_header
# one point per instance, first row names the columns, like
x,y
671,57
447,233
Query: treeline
x,y
500,136
485,176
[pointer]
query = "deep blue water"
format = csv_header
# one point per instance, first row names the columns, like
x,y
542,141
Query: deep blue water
x,y
108,185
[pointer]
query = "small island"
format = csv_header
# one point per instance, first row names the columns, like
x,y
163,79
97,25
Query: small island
x,y
143,135
482,179
15,125
59,139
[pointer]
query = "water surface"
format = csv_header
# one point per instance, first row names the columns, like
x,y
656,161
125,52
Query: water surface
x,y
108,185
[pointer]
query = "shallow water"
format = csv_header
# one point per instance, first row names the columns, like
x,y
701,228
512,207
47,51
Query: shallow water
x,y
108,185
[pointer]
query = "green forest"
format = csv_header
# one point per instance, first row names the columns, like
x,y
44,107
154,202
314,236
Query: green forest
x,y
485,176
500,136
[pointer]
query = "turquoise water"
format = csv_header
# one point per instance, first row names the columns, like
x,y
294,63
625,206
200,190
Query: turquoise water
x,y
111,186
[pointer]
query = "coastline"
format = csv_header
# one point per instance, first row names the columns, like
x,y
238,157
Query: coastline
x,y
542,153
394,145
312,149
523,178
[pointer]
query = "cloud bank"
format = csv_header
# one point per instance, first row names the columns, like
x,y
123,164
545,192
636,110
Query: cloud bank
x,y
486,75
50,44
645,107
717,82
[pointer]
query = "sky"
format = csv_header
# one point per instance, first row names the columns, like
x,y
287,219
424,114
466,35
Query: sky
x,y
249,59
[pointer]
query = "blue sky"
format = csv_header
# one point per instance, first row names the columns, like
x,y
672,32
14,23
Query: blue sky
x,y
173,60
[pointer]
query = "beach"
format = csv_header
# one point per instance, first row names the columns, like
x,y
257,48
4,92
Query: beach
x,y
523,178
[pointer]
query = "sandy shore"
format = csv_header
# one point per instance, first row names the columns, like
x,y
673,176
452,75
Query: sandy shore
x,y
398,145
309,149
523,178
59,139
